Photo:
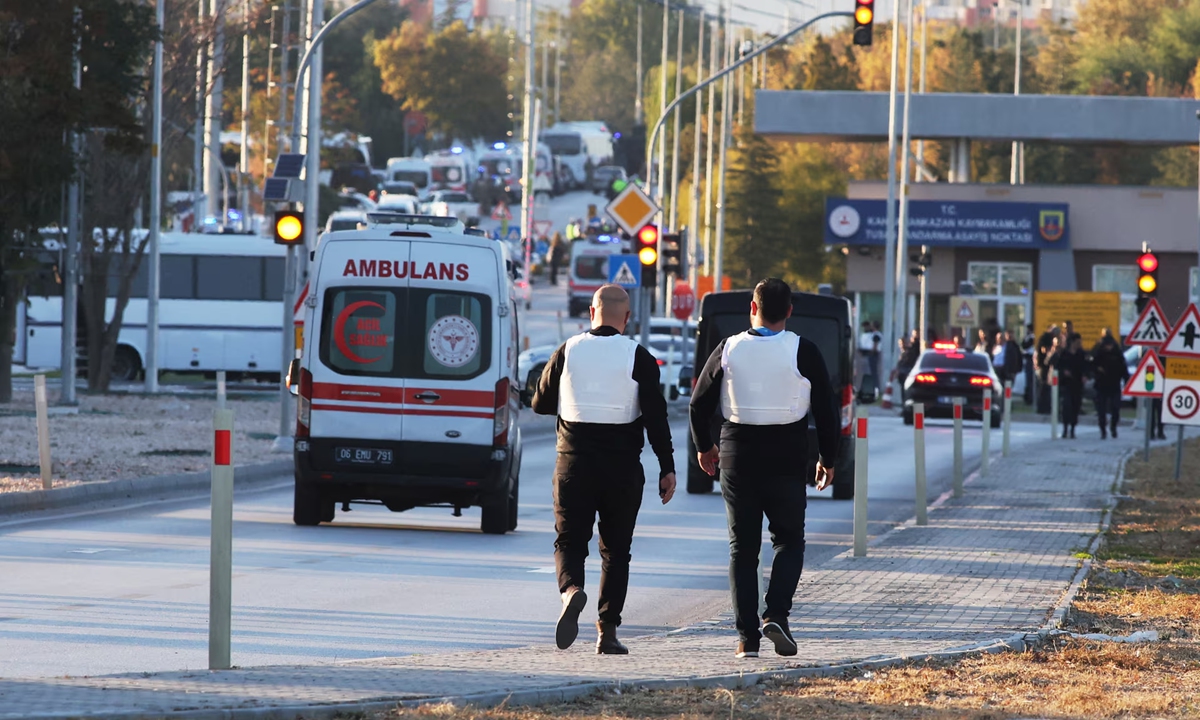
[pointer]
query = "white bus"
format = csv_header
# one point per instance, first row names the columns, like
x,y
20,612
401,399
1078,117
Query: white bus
x,y
219,309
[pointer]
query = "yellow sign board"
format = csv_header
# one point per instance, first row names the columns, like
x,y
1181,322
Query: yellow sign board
x,y
1089,312
964,311
632,209
1183,368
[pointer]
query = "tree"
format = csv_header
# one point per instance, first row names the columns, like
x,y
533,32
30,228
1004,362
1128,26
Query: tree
x,y
758,241
455,77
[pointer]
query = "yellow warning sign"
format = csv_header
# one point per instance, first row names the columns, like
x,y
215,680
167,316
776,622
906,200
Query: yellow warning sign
x,y
1183,368
964,311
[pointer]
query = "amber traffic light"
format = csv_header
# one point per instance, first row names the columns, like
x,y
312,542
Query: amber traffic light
x,y
864,20
289,227
647,251
1147,282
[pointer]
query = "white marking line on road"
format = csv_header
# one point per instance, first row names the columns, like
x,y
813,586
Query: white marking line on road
x,y
95,551
544,570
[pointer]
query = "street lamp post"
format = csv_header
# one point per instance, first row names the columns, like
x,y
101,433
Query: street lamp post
x,y
155,260
1017,172
889,251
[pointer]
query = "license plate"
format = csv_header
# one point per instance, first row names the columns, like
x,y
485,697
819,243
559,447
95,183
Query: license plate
x,y
945,400
362,456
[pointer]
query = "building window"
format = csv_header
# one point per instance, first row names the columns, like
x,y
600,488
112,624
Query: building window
x,y
1120,279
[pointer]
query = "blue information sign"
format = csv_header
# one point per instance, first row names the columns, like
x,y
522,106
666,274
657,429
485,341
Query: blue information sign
x,y
514,233
624,270
1032,226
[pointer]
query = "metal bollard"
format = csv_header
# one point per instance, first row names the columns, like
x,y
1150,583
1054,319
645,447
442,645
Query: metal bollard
x,y
860,483
43,430
1147,409
958,450
220,581
1007,419
1053,403
919,456
985,448
1179,452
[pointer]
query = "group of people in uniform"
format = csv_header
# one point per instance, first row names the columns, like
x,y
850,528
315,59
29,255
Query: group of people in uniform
x,y
604,388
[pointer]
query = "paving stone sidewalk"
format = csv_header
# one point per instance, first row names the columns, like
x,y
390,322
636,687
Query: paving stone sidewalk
x,y
989,565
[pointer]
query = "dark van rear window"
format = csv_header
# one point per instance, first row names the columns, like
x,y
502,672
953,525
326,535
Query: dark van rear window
x,y
824,331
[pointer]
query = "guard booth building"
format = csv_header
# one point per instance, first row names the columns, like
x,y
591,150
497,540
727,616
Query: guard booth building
x,y
1013,240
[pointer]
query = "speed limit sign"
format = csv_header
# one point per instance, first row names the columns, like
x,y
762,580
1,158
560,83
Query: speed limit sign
x,y
1181,392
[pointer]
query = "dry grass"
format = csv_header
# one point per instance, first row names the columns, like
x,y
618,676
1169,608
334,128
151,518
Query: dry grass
x,y
1144,580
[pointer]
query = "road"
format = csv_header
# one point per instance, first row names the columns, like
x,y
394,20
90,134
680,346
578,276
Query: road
x,y
126,590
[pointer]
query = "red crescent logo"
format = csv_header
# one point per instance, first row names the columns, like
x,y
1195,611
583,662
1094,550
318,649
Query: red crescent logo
x,y
339,330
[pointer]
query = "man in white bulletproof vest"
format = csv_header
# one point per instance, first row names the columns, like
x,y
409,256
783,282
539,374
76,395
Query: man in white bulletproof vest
x,y
604,387
767,381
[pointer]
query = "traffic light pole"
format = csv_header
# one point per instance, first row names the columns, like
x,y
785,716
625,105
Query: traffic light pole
x,y
724,72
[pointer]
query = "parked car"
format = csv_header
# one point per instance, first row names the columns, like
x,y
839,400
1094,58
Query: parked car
x,y
604,176
452,203
673,353
530,365
346,220
403,204
400,187
349,199
946,372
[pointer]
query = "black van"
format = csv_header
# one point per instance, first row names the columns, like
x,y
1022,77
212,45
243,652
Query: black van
x,y
823,319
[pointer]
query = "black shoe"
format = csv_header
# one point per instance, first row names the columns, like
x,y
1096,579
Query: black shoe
x,y
568,621
747,649
1114,432
1162,437
607,642
1072,432
777,632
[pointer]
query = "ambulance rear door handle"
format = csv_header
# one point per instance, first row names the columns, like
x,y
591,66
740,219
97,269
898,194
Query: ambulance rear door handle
x,y
428,397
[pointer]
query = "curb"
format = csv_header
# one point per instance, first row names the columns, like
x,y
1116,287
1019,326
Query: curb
x,y
134,488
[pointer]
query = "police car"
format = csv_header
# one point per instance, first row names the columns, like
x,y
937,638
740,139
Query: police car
x,y
407,385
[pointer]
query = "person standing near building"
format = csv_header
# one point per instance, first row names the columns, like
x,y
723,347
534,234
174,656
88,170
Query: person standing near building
x,y
604,387
1028,344
1111,372
1047,344
766,381
1072,366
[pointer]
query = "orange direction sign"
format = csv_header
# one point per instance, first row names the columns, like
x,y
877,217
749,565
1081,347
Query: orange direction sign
x,y
1151,327
1185,338
1149,378
631,209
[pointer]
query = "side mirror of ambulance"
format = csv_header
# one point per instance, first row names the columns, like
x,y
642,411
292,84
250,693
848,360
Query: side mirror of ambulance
x,y
293,377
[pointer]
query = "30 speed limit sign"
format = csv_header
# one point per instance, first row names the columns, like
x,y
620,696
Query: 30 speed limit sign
x,y
1181,392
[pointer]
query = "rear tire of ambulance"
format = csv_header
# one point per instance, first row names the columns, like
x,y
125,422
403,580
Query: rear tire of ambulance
x,y
306,505
513,504
495,518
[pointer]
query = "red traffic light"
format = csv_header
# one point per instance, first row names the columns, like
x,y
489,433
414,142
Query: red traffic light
x,y
648,235
1148,262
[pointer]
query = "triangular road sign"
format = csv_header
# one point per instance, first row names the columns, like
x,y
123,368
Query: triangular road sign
x,y
1151,327
625,276
965,314
1148,379
1184,340
501,212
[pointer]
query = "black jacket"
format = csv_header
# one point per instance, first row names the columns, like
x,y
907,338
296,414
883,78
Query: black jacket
x,y
1072,368
769,449
1108,367
581,446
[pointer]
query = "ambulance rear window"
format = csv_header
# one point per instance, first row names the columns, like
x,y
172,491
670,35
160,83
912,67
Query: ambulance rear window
x,y
591,267
455,337
358,331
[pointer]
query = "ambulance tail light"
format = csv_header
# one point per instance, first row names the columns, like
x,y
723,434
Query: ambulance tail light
x,y
304,404
847,409
500,423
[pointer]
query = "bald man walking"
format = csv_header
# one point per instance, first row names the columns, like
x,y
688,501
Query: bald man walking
x,y
604,387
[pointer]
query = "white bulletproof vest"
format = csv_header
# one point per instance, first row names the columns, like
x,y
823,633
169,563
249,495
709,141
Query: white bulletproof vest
x,y
597,384
866,341
761,384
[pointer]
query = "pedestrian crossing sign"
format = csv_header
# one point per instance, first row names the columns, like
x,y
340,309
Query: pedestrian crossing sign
x,y
514,233
964,311
1184,339
624,270
1151,327
1149,378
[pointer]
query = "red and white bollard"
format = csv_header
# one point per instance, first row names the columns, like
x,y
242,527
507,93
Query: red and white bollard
x,y
958,449
919,456
220,581
860,483
985,449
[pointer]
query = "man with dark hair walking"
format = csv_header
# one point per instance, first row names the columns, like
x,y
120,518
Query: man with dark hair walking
x,y
765,381
604,387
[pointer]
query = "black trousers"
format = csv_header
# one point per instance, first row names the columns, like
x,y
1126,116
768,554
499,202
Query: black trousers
x,y
1108,407
581,495
783,499
1071,399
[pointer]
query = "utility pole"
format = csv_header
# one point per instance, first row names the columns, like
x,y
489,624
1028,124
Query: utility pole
x,y
529,153
637,100
312,132
271,46
673,222
901,268
70,306
889,264
693,234
154,262
213,165
557,74
1017,173
198,202
713,45
920,174
726,121
244,159
662,95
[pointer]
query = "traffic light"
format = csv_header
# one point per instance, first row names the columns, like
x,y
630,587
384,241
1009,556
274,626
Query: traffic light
x,y
864,19
289,227
647,251
1147,282
669,246
922,260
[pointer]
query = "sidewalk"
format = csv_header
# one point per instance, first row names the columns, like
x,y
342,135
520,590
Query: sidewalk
x,y
990,565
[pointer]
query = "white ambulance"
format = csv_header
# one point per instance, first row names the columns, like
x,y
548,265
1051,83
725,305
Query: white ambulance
x,y
407,379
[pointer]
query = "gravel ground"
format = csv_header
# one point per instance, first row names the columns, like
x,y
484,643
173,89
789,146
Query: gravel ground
x,y
125,436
